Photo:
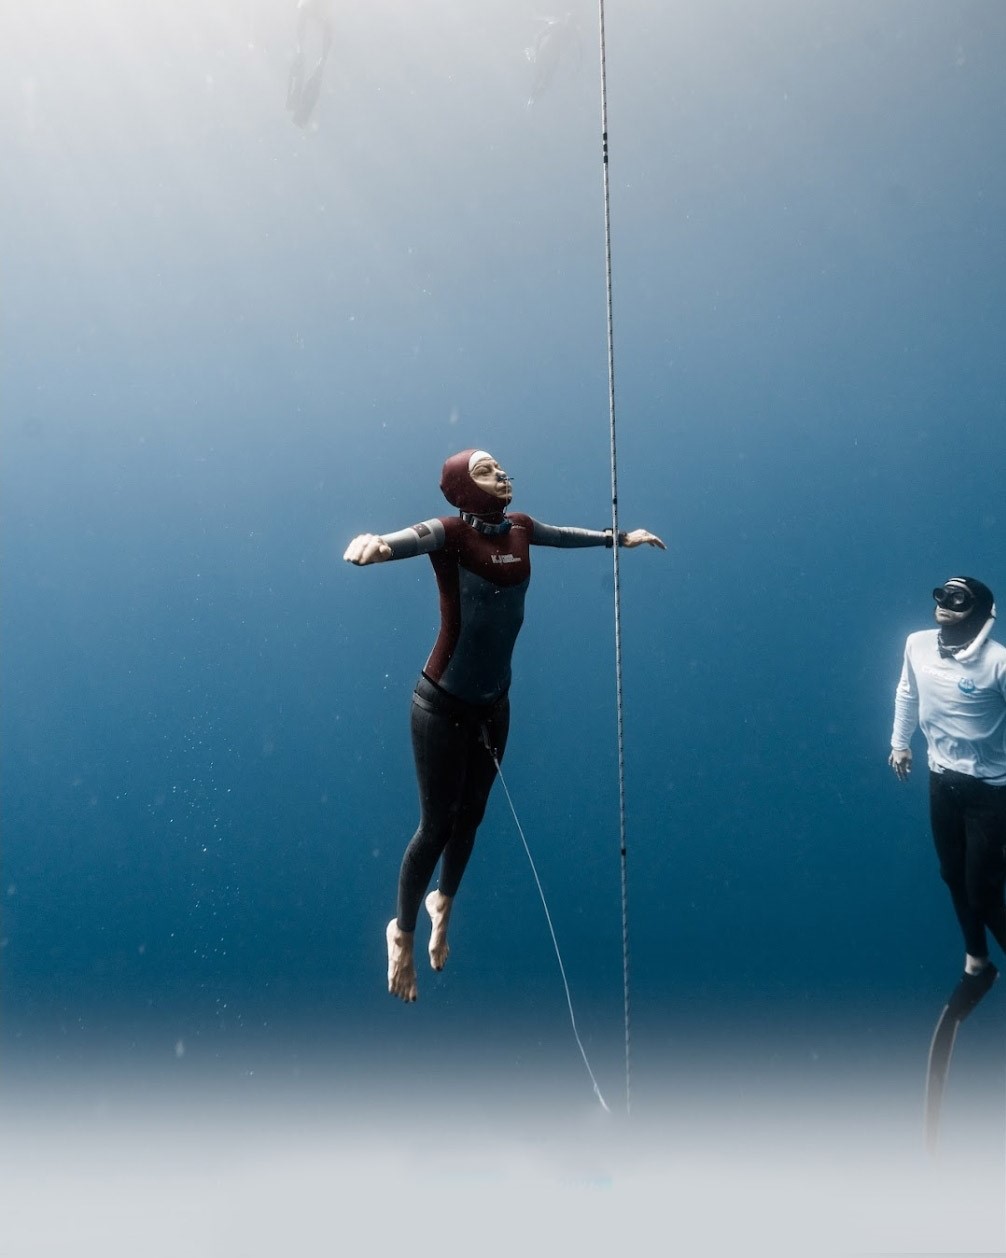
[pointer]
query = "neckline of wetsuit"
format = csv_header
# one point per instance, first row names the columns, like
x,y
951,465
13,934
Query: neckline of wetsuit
x,y
489,528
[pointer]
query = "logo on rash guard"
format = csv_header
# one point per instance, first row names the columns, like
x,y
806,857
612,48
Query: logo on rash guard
x,y
966,685
506,558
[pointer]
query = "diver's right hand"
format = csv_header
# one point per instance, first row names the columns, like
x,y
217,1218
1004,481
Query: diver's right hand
x,y
367,548
900,761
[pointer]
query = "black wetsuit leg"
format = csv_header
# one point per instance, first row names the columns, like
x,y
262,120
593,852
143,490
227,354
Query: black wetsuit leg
x,y
455,773
969,830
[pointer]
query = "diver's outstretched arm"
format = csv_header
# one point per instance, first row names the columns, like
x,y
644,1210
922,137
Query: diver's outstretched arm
x,y
567,538
417,539
367,548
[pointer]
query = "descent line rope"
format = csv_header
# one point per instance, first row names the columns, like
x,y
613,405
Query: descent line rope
x,y
622,846
548,919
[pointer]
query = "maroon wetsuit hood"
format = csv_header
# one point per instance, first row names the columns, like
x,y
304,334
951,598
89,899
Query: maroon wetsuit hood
x,y
460,490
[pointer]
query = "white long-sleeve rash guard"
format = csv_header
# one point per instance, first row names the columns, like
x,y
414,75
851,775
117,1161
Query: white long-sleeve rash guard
x,y
960,705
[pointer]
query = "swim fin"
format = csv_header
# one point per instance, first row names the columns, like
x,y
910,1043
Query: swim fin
x,y
963,999
970,990
938,1067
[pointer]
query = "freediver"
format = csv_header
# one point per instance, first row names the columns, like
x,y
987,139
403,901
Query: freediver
x,y
460,708
302,93
558,34
953,685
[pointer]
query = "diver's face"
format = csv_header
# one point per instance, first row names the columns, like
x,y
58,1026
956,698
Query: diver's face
x,y
489,476
944,616
953,603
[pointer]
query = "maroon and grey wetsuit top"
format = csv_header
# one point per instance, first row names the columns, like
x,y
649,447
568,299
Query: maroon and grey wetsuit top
x,y
482,578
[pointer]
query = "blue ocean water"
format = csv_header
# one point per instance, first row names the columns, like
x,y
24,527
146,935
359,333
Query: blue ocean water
x,y
229,344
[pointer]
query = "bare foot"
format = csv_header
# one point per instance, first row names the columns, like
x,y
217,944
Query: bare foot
x,y
401,967
439,908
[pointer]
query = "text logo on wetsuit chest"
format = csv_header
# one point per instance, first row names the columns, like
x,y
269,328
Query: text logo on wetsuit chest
x,y
506,558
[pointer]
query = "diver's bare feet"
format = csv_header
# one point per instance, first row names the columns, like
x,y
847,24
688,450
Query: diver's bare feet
x,y
439,908
401,967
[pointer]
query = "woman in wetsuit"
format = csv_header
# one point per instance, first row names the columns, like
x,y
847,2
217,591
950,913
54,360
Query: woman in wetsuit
x,y
460,709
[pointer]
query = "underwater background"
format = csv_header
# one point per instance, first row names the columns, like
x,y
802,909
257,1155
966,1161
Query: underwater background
x,y
229,343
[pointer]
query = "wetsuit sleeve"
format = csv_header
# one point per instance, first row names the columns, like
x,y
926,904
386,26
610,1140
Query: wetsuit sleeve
x,y
561,535
906,707
419,539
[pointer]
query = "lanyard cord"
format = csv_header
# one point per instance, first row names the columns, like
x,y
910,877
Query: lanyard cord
x,y
548,919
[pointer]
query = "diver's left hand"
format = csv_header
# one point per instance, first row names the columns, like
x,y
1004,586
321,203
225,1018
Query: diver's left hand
x,y
640,537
